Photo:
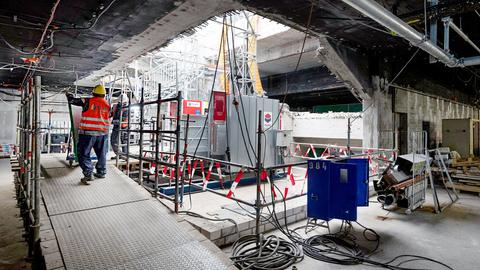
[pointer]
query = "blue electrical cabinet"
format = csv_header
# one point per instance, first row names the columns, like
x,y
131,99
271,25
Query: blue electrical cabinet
x,y
336,189
318,189
363,175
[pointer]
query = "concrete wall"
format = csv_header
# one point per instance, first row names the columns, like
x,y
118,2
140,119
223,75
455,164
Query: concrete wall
x,y
420,107
327,128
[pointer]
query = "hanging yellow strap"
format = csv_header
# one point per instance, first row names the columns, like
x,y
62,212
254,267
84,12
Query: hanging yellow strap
x,y
225,83
252,63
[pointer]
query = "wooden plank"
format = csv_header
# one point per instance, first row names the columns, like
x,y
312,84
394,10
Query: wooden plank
x,y
470,182
464,187
466,177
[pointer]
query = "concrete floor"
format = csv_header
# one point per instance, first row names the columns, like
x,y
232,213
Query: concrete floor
x,y
13,248
452,237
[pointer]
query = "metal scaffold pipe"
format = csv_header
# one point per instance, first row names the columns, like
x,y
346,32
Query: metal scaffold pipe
x,y
36,215
258,203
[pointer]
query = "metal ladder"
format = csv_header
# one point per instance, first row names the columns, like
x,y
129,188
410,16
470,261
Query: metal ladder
x,y
444,170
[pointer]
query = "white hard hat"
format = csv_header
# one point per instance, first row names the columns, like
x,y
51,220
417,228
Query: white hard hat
x,y
123,98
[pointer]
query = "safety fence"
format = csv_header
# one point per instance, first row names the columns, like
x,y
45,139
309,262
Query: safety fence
x,y
186,172
377,157
55,136
6,150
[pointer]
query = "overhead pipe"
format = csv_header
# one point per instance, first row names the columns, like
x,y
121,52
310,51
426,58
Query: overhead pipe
x,y
384,17
470,61
459,31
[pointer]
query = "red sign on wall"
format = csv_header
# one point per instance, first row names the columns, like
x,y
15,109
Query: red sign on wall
x,y
219,107
192,107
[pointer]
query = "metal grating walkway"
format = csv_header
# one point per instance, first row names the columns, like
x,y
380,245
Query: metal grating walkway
x,y
115,224
63,193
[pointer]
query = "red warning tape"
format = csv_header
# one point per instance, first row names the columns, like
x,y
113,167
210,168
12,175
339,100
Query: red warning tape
x,y
263,177
235,183
290,181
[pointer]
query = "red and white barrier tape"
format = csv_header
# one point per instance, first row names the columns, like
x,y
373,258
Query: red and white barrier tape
x,y
203,174
290,182
263,177
235,183
207,178
219,172
326,153
304,182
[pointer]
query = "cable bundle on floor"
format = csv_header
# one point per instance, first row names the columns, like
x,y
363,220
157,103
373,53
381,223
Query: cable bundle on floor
x,y
330,248
272,252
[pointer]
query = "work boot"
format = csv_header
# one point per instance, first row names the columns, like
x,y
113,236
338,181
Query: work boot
x,y
85,180
100,176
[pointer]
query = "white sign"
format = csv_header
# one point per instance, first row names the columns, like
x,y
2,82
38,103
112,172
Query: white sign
x,y
267,119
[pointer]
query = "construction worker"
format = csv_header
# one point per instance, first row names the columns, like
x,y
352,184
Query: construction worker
x,y
93,132
120,118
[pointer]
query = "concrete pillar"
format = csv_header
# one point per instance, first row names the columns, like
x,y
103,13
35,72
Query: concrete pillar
x,y
378,129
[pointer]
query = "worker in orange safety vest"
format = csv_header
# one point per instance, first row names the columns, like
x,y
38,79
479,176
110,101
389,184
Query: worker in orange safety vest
x,y
92,132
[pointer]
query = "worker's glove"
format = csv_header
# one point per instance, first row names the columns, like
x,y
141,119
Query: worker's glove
x,y
69,96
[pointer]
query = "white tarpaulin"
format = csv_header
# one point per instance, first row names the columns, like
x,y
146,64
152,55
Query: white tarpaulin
x,y
8,123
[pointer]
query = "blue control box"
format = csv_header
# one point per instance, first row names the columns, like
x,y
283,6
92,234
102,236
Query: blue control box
x,y
337,188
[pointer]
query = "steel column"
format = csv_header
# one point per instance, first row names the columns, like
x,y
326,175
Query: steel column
x,y
36,213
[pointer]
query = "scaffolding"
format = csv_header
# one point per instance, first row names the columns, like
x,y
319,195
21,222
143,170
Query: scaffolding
x,y
160,84
28,156
55,135
164,140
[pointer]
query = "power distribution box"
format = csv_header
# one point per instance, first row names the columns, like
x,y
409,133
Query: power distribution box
x,y
336,189
284,138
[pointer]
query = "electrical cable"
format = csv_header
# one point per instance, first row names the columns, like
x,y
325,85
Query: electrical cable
x,y
94,22
32,52
39,69
196,215
211,92
28,74
341,247
403,68
235,85
209,104
272,252
309,20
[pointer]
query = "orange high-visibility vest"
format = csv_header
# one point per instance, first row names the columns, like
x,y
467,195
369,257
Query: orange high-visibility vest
x,y
96,118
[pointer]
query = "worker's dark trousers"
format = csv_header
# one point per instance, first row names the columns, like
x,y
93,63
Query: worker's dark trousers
x,y
114,140
100,146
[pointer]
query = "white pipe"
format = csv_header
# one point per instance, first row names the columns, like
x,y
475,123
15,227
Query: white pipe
x,y
471,61
384,17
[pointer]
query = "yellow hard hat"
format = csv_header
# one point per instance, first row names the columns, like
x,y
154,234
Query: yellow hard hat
x,y
99,90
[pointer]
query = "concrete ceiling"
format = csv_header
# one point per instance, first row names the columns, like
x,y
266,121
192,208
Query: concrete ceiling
x,y
279,53
130,28
288,63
